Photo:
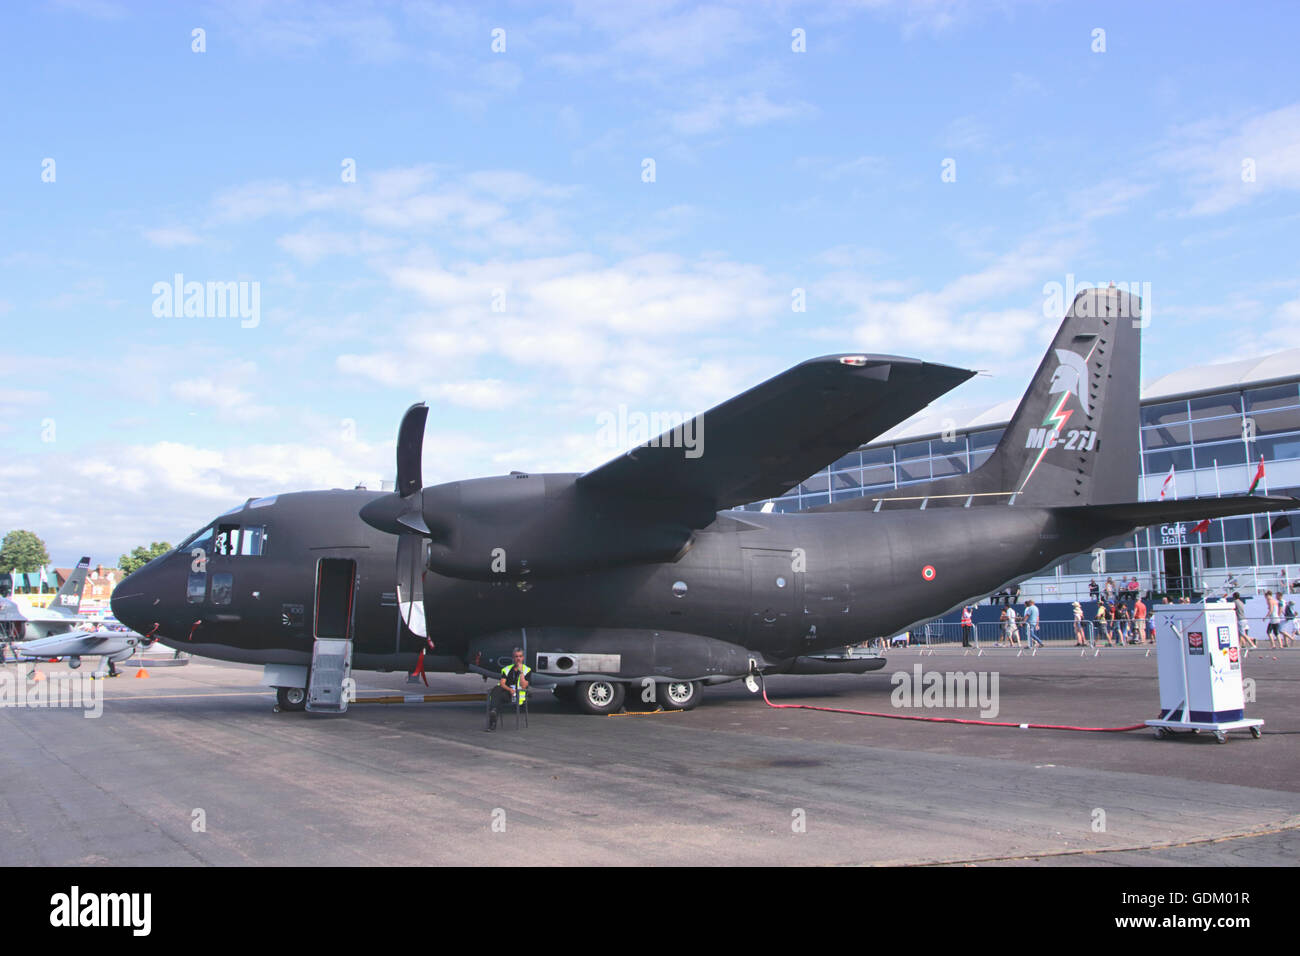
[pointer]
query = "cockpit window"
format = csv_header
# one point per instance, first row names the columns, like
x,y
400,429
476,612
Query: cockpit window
x,y
199,539
253,541
227,539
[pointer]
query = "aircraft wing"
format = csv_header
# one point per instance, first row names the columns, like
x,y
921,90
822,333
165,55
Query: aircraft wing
x,y
764,441
72,644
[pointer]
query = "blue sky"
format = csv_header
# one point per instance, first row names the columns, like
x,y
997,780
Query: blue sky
x,y
500,256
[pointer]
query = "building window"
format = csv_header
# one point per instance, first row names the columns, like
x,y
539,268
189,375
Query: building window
x,y
878,456
1216,406
1163,437
948,465
913,471
1279,448
1164,414
1219,429
1159,462
1271,423
1220,455
1277,396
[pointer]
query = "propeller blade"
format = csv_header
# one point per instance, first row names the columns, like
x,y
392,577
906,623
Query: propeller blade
x,y
410,582
410,445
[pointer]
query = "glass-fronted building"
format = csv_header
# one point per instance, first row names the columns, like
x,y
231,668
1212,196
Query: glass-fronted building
x,y
1210,423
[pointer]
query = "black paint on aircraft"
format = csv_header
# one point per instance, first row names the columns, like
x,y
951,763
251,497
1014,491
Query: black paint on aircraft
x,y
638,574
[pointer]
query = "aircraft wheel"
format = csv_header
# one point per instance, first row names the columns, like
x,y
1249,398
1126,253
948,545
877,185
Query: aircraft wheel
x,y
291,698
1163,732
74,662
681,694
1256,732
600,696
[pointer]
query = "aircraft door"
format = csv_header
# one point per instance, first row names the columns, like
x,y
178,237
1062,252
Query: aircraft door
x,y
336,584
773,596
331,661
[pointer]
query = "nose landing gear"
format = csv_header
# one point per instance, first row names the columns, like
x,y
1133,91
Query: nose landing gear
x,y
290,699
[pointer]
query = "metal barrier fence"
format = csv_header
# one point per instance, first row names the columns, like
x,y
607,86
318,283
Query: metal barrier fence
x,y
1249,580
992,633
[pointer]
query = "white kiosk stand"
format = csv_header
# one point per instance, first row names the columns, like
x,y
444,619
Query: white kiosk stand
x,y
1199,661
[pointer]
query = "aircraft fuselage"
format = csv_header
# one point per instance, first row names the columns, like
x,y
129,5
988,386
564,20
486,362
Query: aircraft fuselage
x,y
774,586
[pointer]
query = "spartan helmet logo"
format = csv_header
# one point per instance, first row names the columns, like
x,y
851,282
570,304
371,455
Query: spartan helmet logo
x,y
1071,376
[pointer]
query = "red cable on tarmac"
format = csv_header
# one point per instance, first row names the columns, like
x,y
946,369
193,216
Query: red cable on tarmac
x,y
945,720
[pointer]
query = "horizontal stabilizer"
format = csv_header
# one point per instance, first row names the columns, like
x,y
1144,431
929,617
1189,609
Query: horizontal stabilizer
x,y
1139,514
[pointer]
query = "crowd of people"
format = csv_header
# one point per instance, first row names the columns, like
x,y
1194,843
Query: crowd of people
x,y
1123,616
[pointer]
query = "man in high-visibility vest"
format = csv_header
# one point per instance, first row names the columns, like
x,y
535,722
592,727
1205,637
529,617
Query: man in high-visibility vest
x,y
967,625
513,684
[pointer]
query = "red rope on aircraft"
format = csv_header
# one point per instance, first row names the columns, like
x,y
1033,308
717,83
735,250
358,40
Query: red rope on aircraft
x,y
419,665
193,628
945,720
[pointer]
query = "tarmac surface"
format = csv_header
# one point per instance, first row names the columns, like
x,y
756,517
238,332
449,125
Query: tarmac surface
x,y
193,767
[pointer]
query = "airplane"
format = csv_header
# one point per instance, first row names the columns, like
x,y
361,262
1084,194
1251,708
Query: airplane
x,y
641,576
110,641
62,614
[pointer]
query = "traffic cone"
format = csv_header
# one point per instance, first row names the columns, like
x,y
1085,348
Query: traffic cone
x,y
142,672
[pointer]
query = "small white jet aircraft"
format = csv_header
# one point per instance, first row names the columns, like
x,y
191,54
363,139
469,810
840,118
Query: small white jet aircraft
x,y
62,615
110,641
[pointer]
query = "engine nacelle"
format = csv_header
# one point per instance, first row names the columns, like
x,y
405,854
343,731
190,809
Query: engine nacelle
x,y
519,526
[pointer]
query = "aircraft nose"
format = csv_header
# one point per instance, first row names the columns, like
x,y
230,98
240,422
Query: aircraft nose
x,y
132,602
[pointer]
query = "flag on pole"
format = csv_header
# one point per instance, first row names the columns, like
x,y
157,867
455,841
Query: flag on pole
x,y
1201,527
1169,480
1259,476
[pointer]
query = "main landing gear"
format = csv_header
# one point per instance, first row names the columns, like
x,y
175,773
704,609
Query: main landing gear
x,y
599,696
607,696
680,695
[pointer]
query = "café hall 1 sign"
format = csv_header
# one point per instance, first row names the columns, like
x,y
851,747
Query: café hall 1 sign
x,y
1173,534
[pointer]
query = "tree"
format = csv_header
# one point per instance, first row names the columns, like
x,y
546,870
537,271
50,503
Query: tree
x,y
140,556
24,552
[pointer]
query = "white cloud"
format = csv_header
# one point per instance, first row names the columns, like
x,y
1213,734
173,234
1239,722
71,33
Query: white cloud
x,y
720,111
311,245
1210,156
228,400
170,238
956,319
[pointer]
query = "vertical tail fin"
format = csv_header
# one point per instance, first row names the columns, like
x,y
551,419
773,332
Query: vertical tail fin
x,y
68,599
1074,437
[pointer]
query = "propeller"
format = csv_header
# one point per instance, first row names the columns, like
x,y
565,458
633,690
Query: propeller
x,y
402,514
